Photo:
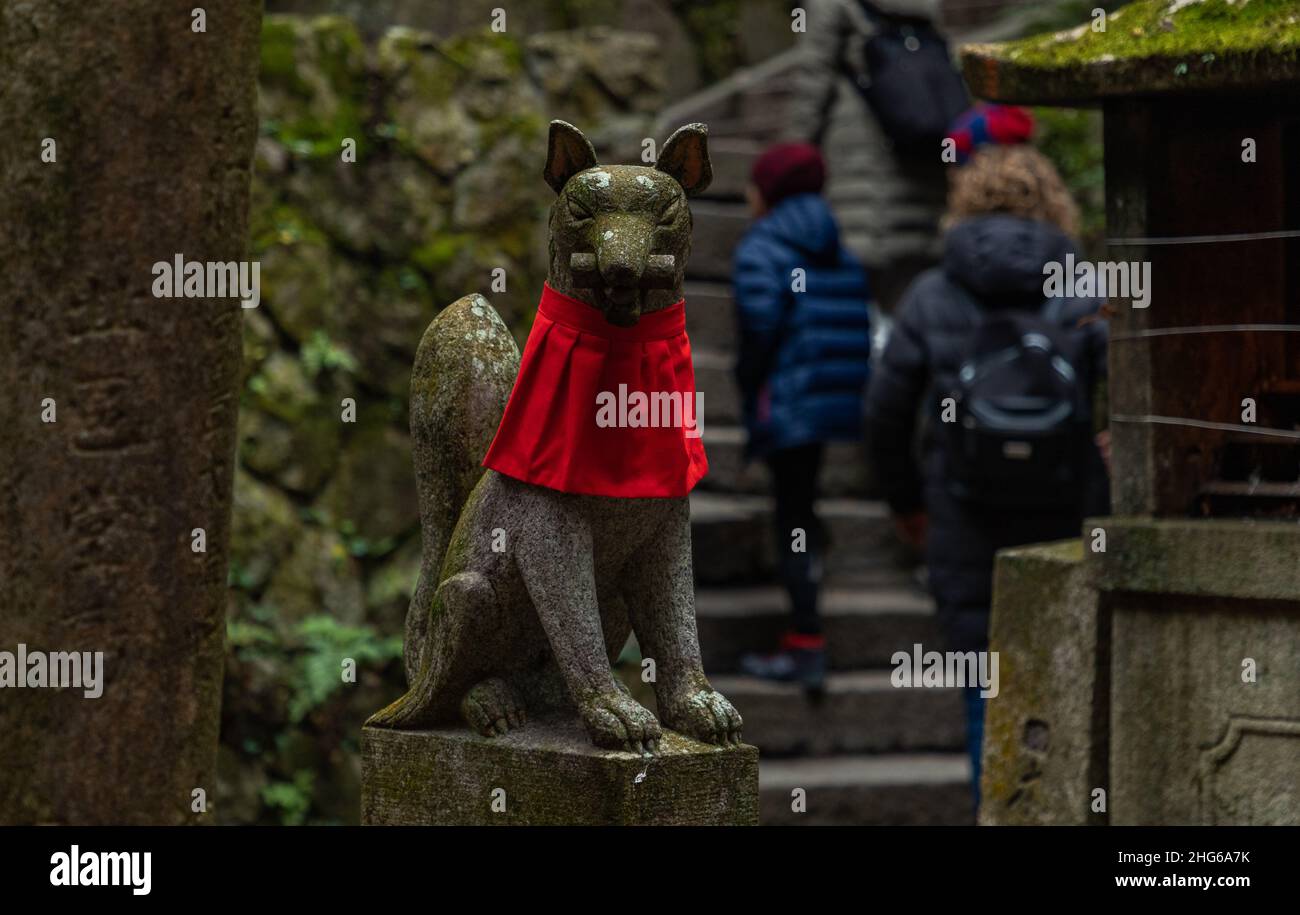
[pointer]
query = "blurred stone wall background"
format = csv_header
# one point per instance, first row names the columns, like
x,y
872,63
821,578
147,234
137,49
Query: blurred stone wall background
x,y
356,259
700,41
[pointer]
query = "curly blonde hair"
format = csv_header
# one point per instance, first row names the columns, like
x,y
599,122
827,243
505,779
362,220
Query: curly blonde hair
x,y
1018,180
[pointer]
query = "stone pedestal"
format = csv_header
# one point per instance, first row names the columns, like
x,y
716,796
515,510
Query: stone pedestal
x,y
1205,683
548,773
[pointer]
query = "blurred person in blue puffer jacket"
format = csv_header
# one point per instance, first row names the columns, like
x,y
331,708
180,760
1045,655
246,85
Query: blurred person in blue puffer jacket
x,y
802,303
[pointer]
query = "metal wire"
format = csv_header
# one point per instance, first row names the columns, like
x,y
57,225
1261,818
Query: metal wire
x,y
1202,424
1203,239
1207,329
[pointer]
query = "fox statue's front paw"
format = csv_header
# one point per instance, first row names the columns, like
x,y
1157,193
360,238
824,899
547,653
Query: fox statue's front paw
x,y
704,714
616,721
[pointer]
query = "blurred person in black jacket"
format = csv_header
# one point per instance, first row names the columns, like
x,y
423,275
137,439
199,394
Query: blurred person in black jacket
x,y
1009,216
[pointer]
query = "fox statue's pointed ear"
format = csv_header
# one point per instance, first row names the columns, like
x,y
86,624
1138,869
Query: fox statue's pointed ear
x,y
567,153
686,157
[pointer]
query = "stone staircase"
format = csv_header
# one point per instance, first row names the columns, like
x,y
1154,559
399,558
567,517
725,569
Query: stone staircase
x,y
868,753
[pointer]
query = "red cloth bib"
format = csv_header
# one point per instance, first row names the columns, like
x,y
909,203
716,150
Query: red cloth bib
x,y
572,421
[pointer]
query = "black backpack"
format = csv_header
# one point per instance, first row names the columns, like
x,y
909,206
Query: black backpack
x,y
911,86
1021,430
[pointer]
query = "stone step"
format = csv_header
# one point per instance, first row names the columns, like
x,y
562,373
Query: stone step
x,y
732,123
861,712
762,127
730,540
844,468
731,158
764,102
713,378
723,105
733,540
864,625
710,316
718,227
929,789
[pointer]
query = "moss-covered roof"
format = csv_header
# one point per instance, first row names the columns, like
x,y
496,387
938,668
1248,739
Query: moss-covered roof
x,y
1149,46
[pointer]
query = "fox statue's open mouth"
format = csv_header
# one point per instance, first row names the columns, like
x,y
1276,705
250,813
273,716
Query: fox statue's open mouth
x,y
621,304
622,301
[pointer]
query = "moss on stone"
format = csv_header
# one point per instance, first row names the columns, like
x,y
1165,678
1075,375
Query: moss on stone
x,y
496,54
1161,27
341,53
281,388
281,224
441,250
264,529
1147,46
715,28
313,83
1219,557
279,41
371,498
528,126
390,586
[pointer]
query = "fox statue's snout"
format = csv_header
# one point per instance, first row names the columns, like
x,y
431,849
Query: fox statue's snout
x,y
620,234
618,274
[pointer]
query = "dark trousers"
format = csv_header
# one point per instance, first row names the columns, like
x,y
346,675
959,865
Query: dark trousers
x,y
794,484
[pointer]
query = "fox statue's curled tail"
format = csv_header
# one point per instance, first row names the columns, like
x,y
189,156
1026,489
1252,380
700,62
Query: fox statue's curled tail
x,y
464,369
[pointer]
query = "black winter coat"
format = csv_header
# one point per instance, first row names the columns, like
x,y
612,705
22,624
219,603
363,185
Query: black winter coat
x,y
991,262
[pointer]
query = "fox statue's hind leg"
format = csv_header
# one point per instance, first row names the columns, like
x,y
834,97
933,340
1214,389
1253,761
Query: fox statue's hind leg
x,y
462,601
481,687
491,706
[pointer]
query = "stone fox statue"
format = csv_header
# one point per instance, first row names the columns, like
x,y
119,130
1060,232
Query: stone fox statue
x,y
527,592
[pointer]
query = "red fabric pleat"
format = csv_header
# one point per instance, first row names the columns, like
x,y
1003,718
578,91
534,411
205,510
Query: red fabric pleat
x,y
549,435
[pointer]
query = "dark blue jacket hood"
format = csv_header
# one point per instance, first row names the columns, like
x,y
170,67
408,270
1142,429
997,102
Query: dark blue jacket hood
x,y
803,222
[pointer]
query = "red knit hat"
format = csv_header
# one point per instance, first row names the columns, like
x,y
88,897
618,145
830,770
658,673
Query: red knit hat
x,y
990,125
788,169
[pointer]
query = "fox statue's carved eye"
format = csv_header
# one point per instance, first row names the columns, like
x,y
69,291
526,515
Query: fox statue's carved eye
x,y
578,211
669,216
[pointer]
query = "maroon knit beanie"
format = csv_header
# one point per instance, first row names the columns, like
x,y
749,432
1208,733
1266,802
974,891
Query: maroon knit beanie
x,y
788,169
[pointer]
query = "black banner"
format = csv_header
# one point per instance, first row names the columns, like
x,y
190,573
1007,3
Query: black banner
x,y
338,865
